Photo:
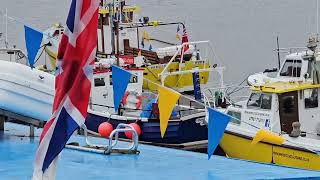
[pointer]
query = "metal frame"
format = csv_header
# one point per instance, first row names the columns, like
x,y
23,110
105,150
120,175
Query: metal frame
x,y
111,146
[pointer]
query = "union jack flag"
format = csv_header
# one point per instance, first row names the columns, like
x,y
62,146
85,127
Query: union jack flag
x,y
75,60
185,39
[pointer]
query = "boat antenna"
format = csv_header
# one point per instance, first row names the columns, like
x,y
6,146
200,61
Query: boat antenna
x,y
317,18
6,17
111,16
278,50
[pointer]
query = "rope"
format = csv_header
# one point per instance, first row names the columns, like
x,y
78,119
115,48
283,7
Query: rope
x,y
44,47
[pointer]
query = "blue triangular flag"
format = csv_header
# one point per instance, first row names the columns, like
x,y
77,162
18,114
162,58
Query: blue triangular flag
x,y
33,39
120,81
218,122
150,47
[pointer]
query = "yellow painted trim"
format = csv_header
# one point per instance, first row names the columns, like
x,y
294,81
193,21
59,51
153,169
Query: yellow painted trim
x,y
125,9
283,87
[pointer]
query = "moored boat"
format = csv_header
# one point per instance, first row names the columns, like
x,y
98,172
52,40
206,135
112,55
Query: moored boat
x,y
126,38
279,122
33,92
297,66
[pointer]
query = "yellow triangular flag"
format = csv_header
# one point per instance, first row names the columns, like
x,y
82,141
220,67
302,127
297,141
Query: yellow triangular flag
x,y
146,36
166,102
267,136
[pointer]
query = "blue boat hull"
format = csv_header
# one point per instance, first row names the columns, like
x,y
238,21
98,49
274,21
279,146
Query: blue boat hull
x,y
178,131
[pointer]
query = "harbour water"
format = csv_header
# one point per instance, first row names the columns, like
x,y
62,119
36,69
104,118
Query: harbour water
x,y
243,32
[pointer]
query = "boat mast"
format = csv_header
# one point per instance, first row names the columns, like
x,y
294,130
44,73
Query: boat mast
x,y
111,20
278,49
317,18
117,30
6,41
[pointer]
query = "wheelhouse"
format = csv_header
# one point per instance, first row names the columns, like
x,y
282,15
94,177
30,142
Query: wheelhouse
x,y
276,106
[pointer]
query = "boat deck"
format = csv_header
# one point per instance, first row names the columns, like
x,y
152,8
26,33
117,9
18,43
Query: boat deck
x,y
17,154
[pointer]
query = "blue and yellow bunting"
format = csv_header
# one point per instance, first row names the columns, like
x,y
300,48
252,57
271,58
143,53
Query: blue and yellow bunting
x,y
166,102
33,39
217,123
120,81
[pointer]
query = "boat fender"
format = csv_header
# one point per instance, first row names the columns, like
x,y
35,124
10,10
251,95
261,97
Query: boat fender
x,y
105,129
139,102
267,136
136,127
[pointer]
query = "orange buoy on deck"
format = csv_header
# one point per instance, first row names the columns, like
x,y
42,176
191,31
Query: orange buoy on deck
x,y
136,127
105,129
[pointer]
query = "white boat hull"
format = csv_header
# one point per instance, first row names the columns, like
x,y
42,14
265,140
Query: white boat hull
x,y
25,91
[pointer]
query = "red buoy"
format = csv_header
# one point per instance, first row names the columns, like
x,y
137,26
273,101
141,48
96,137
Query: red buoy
x,y
105,129
136,127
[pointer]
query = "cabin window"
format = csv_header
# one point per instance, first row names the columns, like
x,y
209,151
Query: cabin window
x,y
310,98
260,101
291,68
288,104
133,79
236,117
103,20
99,82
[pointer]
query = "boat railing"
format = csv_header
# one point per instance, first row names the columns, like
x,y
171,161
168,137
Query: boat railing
x,y
290,50
180,48
112,146
15,54
224,95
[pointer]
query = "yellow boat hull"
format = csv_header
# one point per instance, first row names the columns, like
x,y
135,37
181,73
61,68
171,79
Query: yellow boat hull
x,y
237,146
181,82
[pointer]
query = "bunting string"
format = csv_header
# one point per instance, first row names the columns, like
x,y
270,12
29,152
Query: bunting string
x,y
217,121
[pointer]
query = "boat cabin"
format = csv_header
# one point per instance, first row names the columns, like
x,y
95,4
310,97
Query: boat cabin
x,y
101,98
276,106
295,67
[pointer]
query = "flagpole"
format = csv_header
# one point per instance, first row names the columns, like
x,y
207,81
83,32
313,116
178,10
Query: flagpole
x,y
117,31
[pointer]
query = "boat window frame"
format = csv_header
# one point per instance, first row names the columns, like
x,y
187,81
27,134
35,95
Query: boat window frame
x,y
294,63
133,80
260,105
311,104
236,116
99,82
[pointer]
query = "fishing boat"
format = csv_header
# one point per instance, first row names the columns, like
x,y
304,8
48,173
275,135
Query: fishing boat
x,y
122,34
279,122
185,125
33,93
296,66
